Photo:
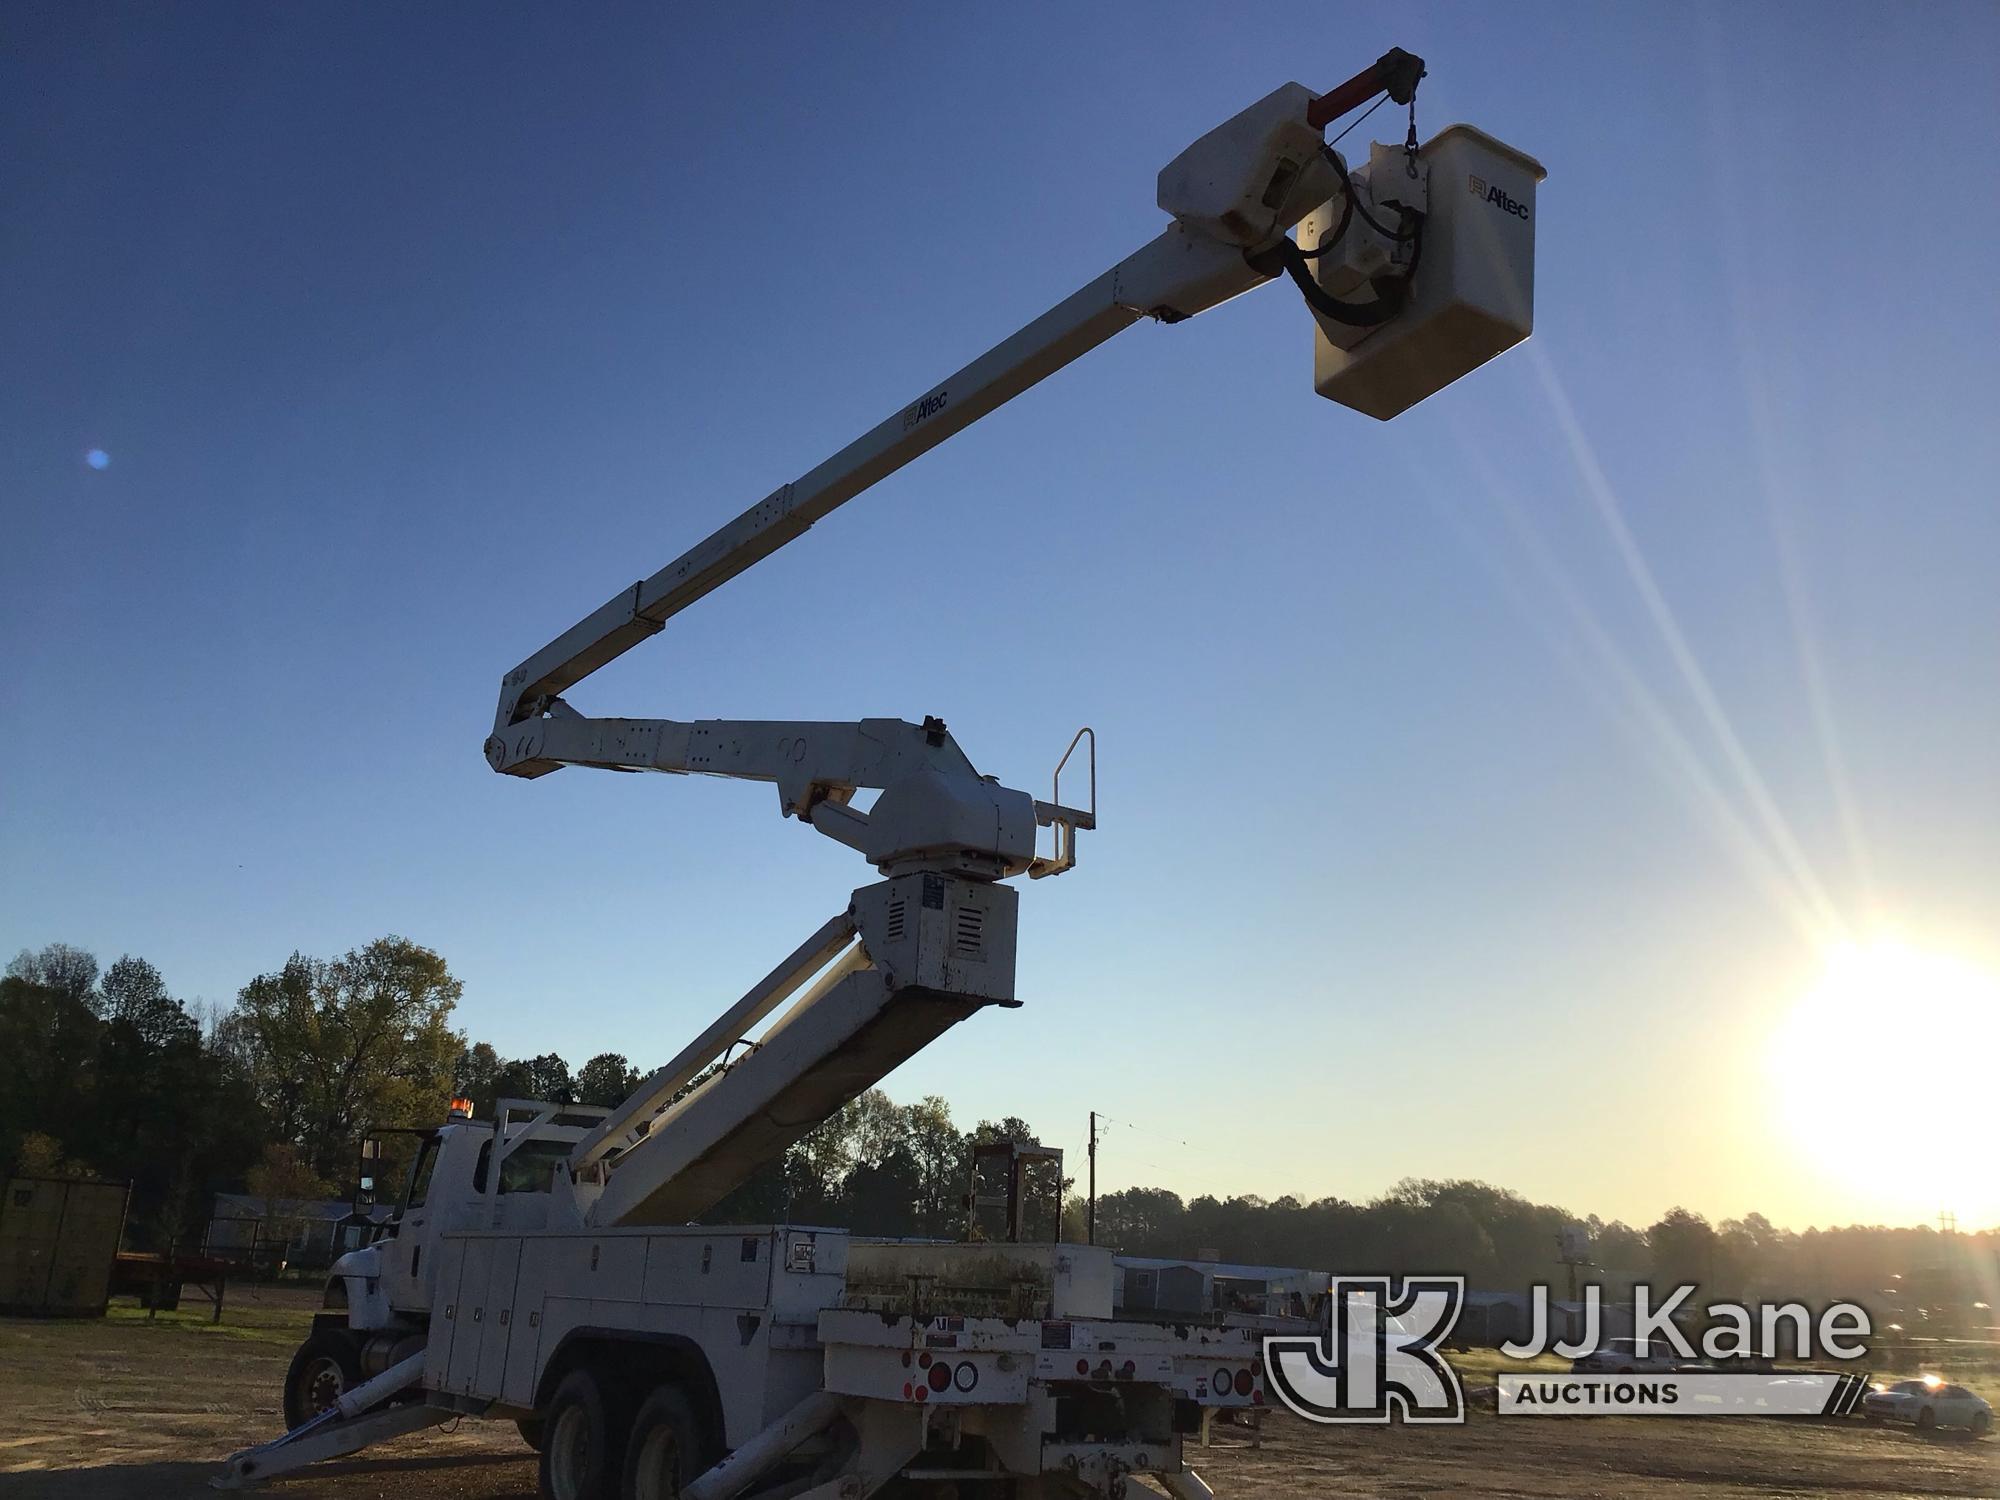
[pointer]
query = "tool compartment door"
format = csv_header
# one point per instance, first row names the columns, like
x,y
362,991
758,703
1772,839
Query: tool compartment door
x,y
447,1313
497,1327
468,1313
524,1340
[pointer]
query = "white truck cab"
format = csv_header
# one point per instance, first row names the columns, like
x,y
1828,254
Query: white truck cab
x,y
379,1298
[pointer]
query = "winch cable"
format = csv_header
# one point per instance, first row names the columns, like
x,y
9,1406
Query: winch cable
x,y
1392,293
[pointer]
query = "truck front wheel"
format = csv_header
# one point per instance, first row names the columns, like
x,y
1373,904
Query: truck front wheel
x,y
581,1444
327,1366
664,1454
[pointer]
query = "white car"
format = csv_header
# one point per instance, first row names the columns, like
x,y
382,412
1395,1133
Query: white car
x,y
1929,1403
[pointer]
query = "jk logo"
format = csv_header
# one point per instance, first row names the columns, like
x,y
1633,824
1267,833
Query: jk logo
x,y
1378,1360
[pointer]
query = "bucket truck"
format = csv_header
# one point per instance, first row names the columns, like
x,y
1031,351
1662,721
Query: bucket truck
x,y
544,1267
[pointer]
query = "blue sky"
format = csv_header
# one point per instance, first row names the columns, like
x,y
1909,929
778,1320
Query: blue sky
x,y
1479,791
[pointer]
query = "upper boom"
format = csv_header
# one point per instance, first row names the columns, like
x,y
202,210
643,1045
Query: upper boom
x,y
1233,196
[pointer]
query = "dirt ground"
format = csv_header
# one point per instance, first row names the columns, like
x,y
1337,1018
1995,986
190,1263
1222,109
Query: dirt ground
x,y
129,1410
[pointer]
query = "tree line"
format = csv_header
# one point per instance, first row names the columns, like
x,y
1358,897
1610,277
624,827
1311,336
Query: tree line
x,y
107,1072
104,1072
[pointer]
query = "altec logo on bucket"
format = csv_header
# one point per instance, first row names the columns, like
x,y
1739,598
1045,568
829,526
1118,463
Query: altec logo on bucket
x,y
1497,196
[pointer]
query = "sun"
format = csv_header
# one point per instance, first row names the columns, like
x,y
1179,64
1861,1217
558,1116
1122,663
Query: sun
x,y
1881,1074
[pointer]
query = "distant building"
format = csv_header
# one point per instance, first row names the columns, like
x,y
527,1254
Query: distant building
x,y
299,1231
1207,1288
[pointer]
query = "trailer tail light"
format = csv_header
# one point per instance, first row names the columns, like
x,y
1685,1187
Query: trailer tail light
x,y
966,1376
1127,1370
1243,1382
1083,1367
940,1377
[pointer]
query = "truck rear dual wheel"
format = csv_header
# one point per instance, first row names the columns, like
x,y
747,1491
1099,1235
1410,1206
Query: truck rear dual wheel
x,y
663,1454
580,1449
591,1451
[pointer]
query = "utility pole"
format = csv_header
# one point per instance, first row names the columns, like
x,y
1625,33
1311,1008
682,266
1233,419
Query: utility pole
x,y
1090,1216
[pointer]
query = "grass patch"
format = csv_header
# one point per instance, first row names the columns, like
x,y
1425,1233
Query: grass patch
x,y
245,1315
285,1333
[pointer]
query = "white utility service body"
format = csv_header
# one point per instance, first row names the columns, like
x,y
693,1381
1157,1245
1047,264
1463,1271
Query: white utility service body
x,y
762,1318
545,1267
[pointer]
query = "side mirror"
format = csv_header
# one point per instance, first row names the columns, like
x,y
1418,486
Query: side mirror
x,y
371,1157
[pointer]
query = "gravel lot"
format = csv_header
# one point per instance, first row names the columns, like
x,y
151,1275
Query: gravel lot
x,y
125,1409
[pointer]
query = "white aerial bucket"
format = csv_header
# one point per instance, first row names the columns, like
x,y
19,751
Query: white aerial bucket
x,y
1473,294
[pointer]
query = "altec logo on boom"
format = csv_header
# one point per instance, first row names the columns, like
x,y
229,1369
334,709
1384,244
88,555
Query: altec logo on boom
x,y
1497,196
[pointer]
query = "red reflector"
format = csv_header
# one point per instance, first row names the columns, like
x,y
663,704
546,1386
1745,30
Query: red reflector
x,y
1127,1370
940,1376
923,1393
906,1359
923,1361
1256,1398
1083,1367
906,1390
1243,1382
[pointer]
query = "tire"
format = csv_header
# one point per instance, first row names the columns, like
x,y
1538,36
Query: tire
x,y
1926,1420
532,1430
665,1452
327,1365
1982,1423
582,1442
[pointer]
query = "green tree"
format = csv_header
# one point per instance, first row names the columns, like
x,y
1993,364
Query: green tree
x,y
607,1080
334,1047
477,1077
136,996
70,971
48,1063
1683,1251
938,1155
154,1096
545,1078
280,1182
41,1155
